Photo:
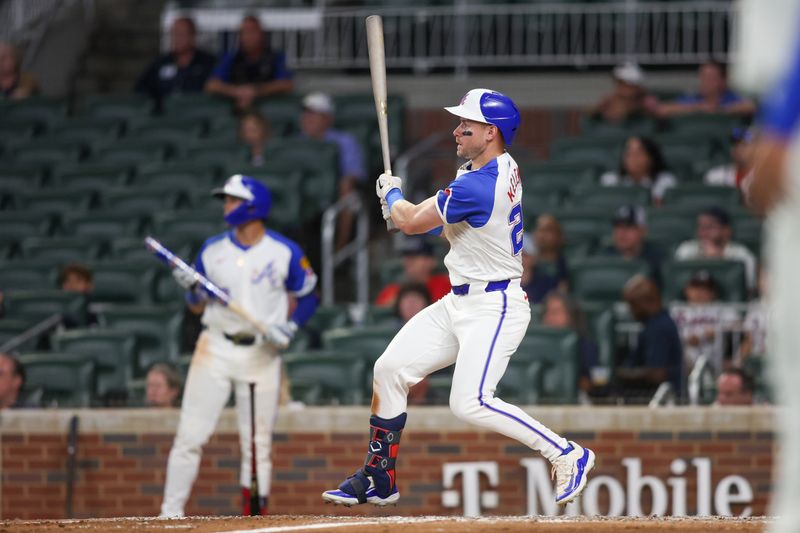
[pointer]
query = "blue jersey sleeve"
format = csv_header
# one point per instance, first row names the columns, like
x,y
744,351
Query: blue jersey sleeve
x,y
222,71
300,277
781,108
469,198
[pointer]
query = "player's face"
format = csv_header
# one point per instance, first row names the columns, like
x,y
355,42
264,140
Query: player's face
x,y
159,394
729,391
230,203
251,37
9,383
556,314
471,138
182,36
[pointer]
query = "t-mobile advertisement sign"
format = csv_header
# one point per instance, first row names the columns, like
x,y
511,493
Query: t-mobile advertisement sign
x,y
624,497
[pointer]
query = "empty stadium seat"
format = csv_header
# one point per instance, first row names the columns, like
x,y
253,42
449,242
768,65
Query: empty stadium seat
x,y
65,379
188,227
668,228
319,162
27,275
132,152
217,152
191,182
58,201
729,276
552,354
49,152
117,106
558,175
604,152
610,197
124,281
702,196
582,224
42,111
133,249
60,250
593,127
26,224
10,329
88,131
113,352
91,175
138,201
282,113
15,176
321,378
36,305
600,324
327,317
369,341
359,108
196,105
102,225
156,329
601,279
177,131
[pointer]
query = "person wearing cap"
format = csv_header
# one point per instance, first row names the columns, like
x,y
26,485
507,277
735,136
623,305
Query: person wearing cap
x,y
735,173
419,266
479,325
316,122
252,71
642,165
703,321
627,99
628,239
714,241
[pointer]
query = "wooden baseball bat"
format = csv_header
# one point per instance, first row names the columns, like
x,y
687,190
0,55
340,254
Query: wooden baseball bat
x,y
377,69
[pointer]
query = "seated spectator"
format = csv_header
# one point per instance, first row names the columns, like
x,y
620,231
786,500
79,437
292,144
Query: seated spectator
x,y
184,69
642,165
628,233
80,279
12,381
528,260
627,99
734,387
713,96
419,265
754,343
658,354
734,174
714,241
14,83
563,311
252,71
702,324
254,131
550,271
163,386
316,122
411,299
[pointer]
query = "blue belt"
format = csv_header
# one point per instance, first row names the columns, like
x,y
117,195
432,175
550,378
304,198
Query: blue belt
x,y
463,290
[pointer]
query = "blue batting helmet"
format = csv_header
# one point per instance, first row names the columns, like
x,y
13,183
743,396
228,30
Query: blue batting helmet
x,y
490,107
257,199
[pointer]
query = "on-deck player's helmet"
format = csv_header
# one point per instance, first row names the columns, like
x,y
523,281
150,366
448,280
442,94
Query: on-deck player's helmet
x,y
489,107
256,196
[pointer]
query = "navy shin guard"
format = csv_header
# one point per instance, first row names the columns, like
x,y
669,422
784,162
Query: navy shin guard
x,y
384,443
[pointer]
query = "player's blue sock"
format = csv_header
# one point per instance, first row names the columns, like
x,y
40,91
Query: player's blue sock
x,y
384,443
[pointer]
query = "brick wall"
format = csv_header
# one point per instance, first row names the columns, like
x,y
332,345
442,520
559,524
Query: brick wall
x,y
122,455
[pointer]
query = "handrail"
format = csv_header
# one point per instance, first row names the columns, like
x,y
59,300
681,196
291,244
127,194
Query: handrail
x,y
356,248
664,395
702,369
34,331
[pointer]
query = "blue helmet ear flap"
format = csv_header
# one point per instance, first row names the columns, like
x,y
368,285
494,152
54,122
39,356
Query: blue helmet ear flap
x,y
502,112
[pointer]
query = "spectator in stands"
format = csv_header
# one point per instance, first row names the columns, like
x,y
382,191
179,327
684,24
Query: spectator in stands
x,y
419,265
252,71
12,380
713,96
550,271
704,323
14,83
734,387
754,343
562,311
184,69
629,230
78,278
714,241
316,122
627,99
658,354
642,165
734,174
163,386
411,299
254,131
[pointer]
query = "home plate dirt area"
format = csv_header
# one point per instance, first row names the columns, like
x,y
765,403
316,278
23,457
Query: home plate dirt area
x,y
279,524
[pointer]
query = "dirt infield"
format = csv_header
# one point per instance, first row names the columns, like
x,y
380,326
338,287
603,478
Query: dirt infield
x,y
390,524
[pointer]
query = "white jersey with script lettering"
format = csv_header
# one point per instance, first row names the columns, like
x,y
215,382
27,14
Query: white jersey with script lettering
x,y
482,212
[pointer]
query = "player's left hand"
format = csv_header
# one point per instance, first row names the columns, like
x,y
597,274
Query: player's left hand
x,y
385,183
385,211
280,335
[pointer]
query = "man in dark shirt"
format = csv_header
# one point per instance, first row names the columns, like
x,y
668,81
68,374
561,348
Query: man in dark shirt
x,y
659,353
12,379
629,230
252,71
184,69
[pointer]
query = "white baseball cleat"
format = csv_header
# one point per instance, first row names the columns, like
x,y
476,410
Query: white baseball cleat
x,y
571,471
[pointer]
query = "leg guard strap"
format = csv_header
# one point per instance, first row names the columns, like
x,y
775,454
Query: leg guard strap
x,y
356,485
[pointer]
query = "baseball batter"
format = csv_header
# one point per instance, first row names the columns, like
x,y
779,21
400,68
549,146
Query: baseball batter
x,y
260,269
477,326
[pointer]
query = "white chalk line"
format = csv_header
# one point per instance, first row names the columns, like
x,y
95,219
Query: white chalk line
x,y
332,525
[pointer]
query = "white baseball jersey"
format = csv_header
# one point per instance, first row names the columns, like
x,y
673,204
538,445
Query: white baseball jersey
x,y
482,211
258,277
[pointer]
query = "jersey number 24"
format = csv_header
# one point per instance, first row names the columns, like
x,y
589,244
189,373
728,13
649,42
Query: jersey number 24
x,y
515,221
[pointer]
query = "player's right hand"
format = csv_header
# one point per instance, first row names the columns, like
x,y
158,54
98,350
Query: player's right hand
x,y
184,279
387,214
385,183
280,335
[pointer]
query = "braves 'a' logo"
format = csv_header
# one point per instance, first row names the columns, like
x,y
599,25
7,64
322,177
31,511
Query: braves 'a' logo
x,y
268,272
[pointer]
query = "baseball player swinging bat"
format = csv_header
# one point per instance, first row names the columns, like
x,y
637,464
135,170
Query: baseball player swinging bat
x,y
377,69
173,261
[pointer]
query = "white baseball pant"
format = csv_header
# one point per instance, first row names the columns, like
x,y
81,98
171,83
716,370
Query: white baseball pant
x,y
479,332
217,365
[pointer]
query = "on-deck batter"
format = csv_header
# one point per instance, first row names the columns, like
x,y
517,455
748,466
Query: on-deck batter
x,y
259,268
479,325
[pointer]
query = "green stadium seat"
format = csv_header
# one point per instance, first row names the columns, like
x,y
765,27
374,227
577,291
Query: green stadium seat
x,y
609,197
12,328
16,176
328,317
601,279
66,380
729,276
102,225
368,341
704,124
89,131
9,247
187,227
286,189
60,250
319,162
749,230
598,151
701,196
517,386
49,152
91,175
26,224
113,352
124,281
600,325
584,224
538,199
683,146
191,182
133,249
44,112
359,108
37,305
132,152
166,290
157,330
57,201
15,276
117,106
594,127
552,356
138,201
323,378
380,316
201,169
173,131
558,175
196,105
282,113
668,228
